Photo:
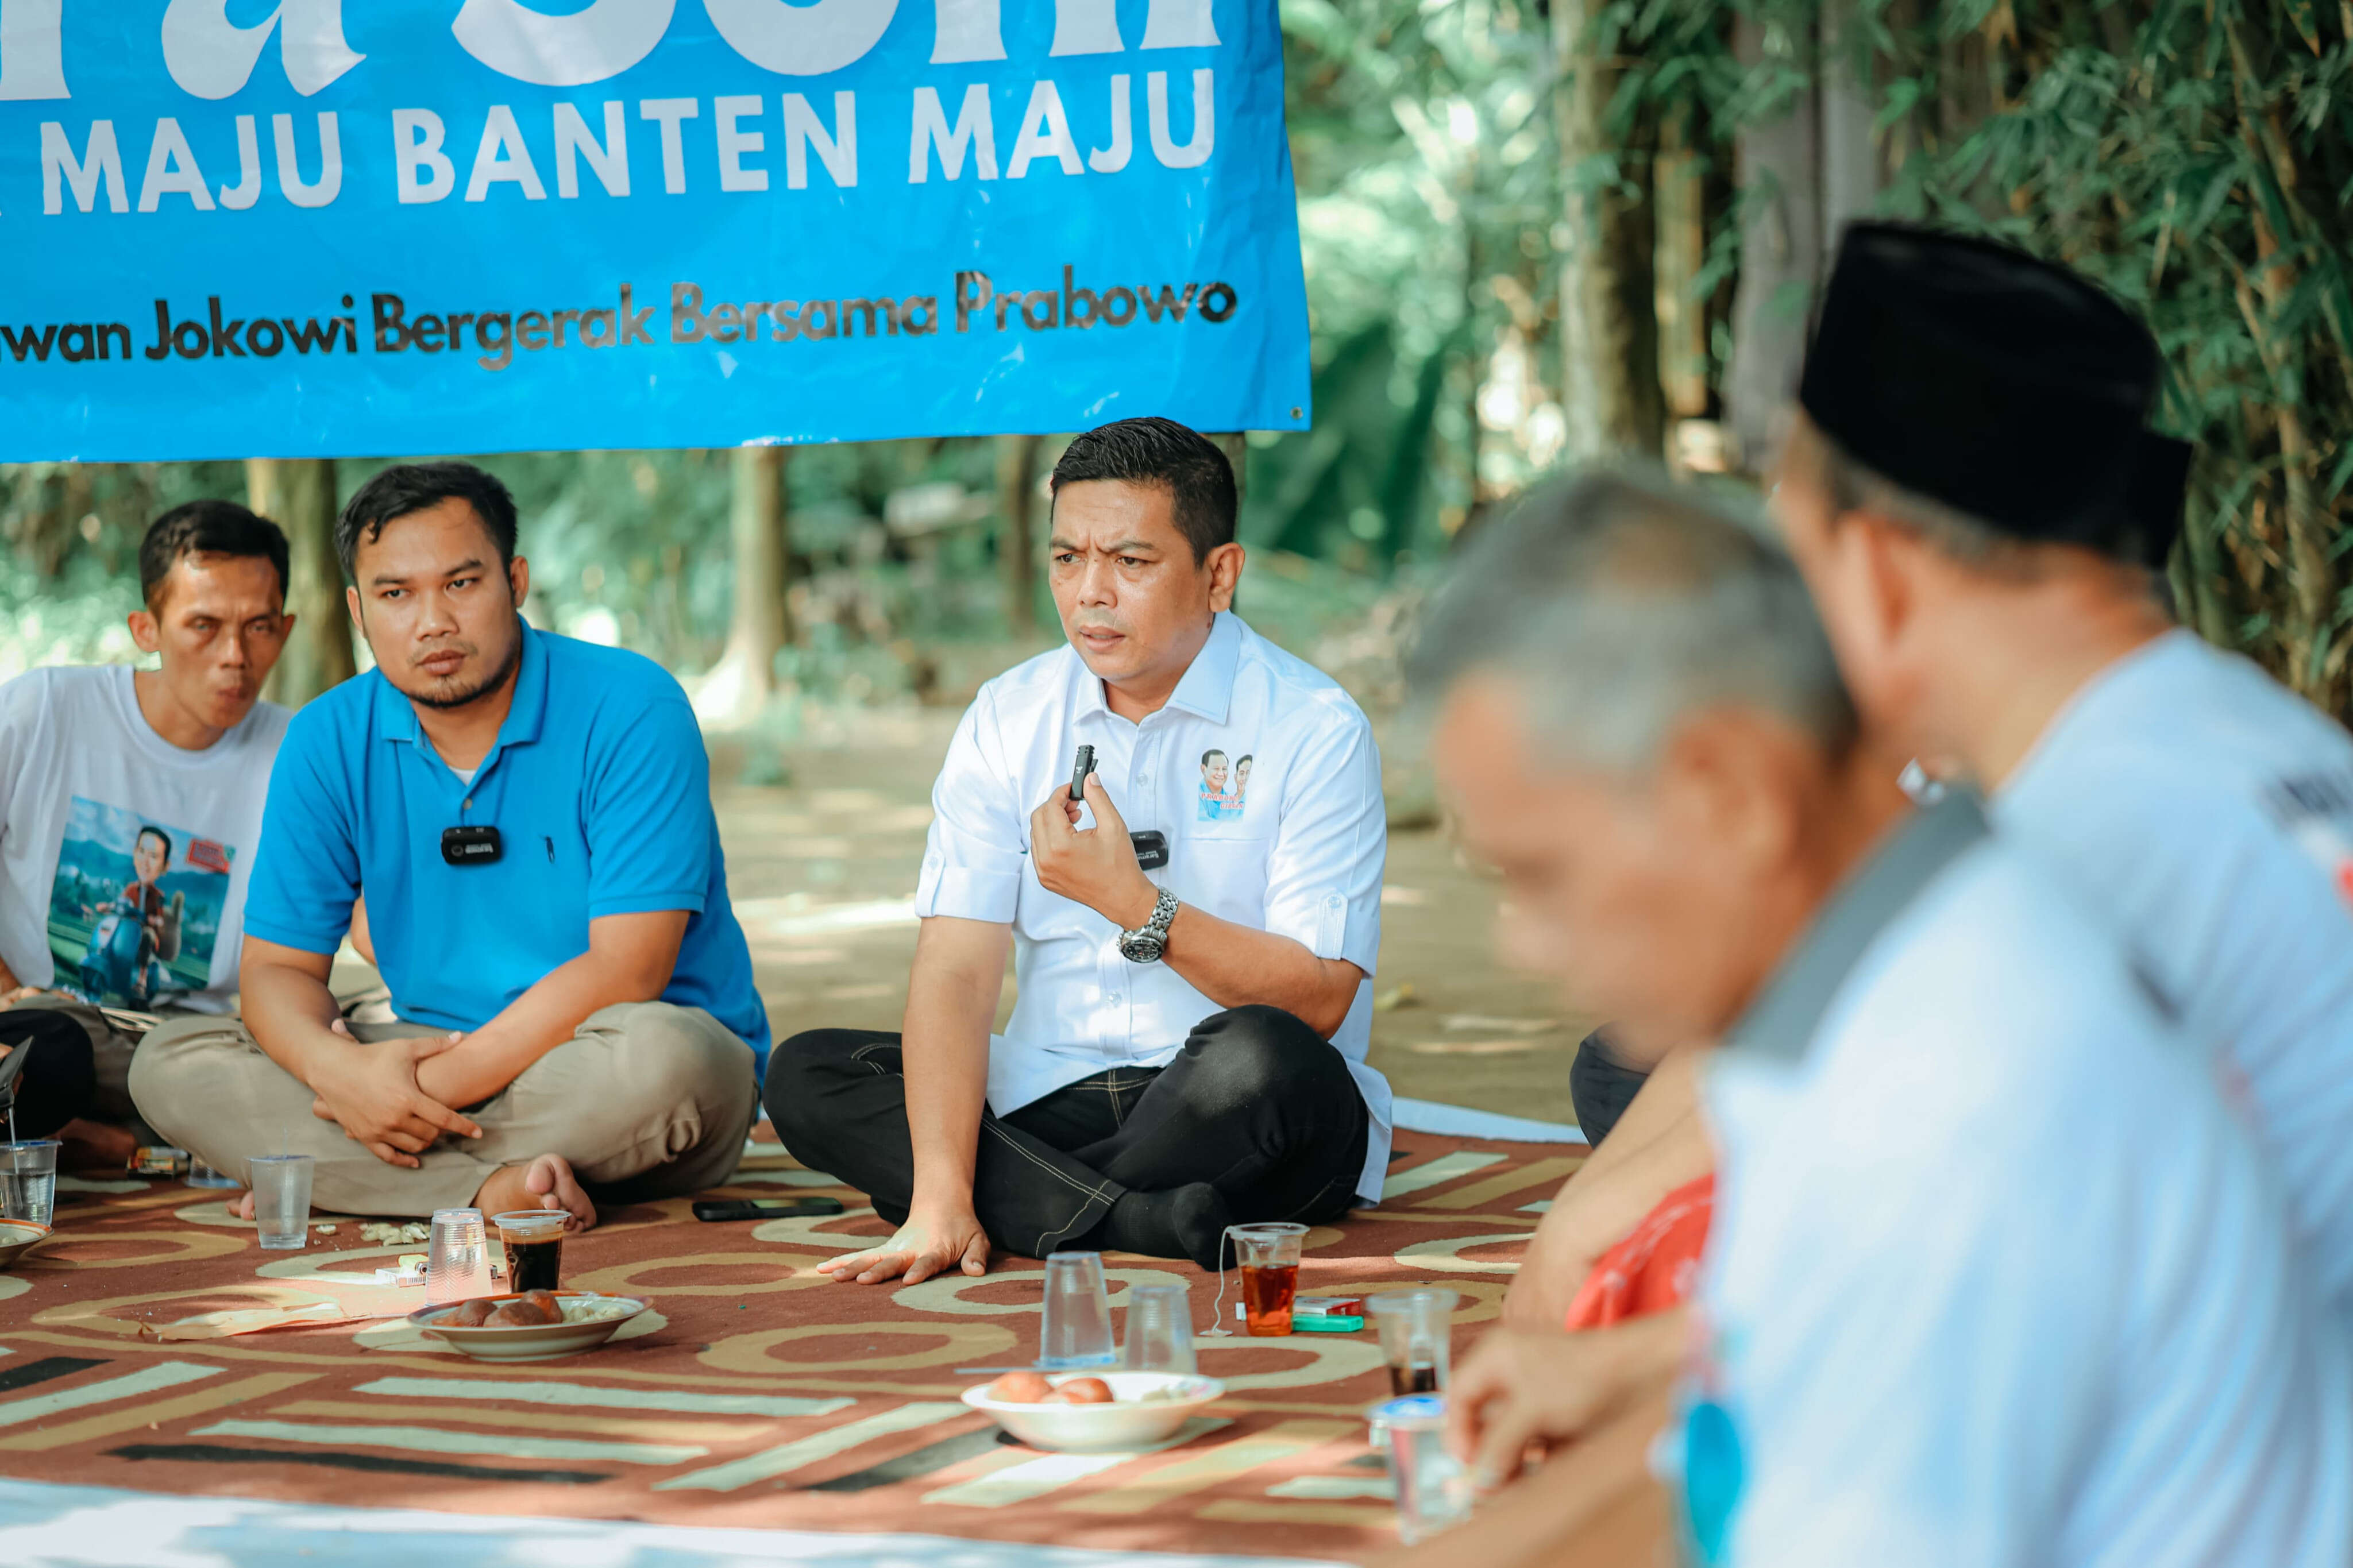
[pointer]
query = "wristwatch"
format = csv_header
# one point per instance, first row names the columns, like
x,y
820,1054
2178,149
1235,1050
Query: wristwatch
x,y
1145,944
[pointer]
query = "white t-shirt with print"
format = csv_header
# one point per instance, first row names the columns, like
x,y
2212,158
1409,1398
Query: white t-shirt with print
x,y
1996,1280
124,858
2208,812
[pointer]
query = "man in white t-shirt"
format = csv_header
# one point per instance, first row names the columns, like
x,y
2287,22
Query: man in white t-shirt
x,y
130,806
1994,1277
1187,1048
1970,494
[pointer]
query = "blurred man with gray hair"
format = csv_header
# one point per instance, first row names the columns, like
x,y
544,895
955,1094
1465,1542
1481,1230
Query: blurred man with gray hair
x,y
1995,1279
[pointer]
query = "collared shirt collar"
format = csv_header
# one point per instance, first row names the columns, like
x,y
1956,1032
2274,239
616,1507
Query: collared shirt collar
x,y
395,715
1782,1021
1205,689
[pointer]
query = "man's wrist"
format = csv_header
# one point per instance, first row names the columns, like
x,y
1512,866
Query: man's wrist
x,y
925,1206
1133,909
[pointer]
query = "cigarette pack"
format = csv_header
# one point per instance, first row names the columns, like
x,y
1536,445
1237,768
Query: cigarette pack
x,y
1330,1306
157,1160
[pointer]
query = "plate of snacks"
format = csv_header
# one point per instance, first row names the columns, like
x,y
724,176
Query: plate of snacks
x,y
1084,1413
534,1325
18,1237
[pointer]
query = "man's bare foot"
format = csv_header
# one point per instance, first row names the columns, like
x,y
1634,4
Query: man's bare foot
x,y
546,1183
95,1146
241,1207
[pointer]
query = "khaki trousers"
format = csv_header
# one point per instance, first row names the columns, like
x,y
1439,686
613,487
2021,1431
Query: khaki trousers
x,y
647,1101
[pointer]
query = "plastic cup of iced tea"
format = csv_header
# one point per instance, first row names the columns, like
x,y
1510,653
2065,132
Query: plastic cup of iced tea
x,y
1269,1255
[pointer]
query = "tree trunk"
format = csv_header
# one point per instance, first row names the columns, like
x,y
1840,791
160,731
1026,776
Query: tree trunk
x,y
746,676
1681,183
1235,445
299,495
1803,178
1609,350
1017,529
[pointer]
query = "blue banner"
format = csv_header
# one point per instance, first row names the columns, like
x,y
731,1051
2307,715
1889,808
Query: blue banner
x,y
329,227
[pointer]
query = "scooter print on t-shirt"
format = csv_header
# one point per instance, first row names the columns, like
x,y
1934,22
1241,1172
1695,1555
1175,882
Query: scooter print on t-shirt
x,y
135,908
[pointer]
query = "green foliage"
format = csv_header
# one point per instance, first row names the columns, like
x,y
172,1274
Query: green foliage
x,y
2195,159
1425,157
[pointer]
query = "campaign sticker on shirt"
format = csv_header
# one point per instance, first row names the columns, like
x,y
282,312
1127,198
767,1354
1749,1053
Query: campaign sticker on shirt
x,y
135,907
1225,786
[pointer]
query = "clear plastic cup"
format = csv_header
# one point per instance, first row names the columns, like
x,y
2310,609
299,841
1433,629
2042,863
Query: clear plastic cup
x,y
28,1180
1433,1490
1160,1328
1077,1330
1416,1328
281,1199
1269,1255
457,1258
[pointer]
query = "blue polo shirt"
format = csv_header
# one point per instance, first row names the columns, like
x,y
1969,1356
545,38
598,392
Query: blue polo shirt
x,y
601,793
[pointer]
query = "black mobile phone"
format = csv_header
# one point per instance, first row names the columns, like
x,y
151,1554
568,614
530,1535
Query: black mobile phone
x,y
1150,850
1080,768
764,1209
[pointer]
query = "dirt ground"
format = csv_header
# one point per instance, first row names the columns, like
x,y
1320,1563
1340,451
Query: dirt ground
x,y
822,870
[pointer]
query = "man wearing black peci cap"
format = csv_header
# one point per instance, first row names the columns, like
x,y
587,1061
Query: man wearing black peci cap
x,y
1973,498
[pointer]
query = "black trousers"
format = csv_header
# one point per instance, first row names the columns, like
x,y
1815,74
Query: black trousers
x,y
1256,1104
59,1080
1601,1087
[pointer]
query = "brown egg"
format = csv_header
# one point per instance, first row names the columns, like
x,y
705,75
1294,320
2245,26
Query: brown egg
x,y
467,1314
1085,1391
1021,1388
546,1302
516,1315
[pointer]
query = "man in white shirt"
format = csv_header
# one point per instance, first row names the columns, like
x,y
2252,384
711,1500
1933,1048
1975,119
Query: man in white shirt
x,y
1984,575
1192,939
130,806
1995,1279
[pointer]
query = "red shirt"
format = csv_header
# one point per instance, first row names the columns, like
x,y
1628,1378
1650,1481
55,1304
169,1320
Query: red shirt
x,y
1654,1268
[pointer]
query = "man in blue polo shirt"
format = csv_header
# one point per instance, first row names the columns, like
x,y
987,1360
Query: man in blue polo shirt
x,y
545,896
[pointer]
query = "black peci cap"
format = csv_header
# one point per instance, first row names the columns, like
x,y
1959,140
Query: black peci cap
x,y
2004,386
2153,500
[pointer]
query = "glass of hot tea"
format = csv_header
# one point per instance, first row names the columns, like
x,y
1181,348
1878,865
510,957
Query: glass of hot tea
x,y
1269,1255
535,1245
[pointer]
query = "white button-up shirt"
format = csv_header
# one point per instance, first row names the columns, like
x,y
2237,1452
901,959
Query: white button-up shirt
x,y
1262,773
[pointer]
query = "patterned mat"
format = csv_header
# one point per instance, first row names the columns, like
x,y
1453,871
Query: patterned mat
x,y
757,1395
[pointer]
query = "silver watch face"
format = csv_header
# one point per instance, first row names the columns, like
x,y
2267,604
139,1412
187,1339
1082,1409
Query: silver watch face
x,y
1143,947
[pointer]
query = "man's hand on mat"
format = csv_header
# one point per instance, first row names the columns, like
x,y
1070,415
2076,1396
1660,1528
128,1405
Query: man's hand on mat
x,y
1095,868
1521,1388
371,1091
925,1245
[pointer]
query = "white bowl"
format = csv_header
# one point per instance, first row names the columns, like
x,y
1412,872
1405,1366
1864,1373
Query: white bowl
x,y
528,1341
1129,1421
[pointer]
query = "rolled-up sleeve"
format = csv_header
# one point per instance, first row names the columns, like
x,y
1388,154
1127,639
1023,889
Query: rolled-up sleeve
x,y
1323,877
972,859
